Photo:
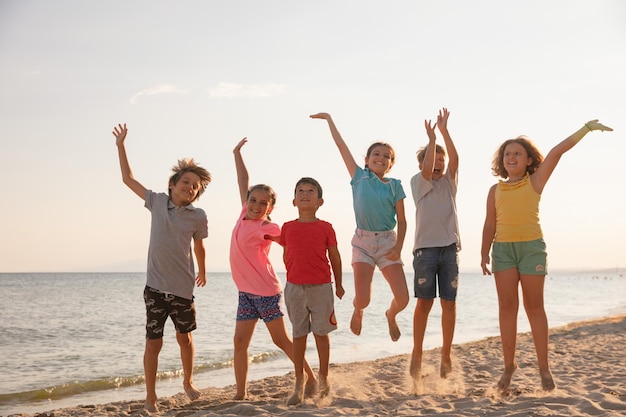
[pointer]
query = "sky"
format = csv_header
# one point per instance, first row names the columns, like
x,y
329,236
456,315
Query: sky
x,y
192,78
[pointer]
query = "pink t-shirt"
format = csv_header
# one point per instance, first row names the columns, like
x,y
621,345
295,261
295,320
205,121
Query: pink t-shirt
x,y
250,266
306,247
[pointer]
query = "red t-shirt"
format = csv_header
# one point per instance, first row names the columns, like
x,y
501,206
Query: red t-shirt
x,y
306,245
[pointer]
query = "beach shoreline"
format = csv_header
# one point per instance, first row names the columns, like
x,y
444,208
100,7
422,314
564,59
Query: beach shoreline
x,y
586,359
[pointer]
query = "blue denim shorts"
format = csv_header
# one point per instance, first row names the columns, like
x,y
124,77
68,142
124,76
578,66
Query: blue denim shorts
x,y
530,258
436,267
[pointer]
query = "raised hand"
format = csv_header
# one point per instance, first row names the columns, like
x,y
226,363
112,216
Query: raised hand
x,y
324,116
120,133
430,130
595,125
240,145
442,119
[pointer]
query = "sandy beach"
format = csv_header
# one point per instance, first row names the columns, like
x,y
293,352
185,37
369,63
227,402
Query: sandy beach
x,y
587,360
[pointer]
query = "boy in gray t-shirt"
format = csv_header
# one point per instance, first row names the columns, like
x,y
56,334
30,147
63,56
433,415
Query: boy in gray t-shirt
x,y
171,277
435,258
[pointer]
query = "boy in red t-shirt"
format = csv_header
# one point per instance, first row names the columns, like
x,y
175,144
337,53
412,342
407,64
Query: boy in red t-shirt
x,y
309,243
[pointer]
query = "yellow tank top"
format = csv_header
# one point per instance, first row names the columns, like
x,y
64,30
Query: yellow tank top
x,y
517,212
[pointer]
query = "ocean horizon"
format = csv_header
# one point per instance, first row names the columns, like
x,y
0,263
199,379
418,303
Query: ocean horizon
x,y
78,338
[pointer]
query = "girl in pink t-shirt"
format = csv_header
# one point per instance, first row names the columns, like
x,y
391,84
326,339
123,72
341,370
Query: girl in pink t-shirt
x,y
260,291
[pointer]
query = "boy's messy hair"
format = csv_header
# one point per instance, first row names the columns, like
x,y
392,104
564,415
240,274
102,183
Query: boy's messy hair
x,y
189,165
497,163
309,180
421,154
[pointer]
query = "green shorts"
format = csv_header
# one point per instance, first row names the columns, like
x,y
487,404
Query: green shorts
x,y
529,258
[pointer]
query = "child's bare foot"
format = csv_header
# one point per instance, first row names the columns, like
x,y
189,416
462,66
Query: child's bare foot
x,y
445,368
191,391
324,387
298,394
240,397
151,406
394,330
310,388
356,321
505,379
547,383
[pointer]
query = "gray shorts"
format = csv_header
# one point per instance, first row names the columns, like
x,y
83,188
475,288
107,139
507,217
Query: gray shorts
x,y
371,247
310,308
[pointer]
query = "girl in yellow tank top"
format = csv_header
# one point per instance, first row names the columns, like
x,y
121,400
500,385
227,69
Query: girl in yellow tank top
x,y
512,228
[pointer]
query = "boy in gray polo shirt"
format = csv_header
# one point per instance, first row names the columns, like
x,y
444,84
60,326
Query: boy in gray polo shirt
x,y
170,276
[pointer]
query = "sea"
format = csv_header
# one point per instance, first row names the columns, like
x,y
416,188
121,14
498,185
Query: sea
x,y
69,339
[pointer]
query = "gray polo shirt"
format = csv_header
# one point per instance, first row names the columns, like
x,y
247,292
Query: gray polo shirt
x,y
170,256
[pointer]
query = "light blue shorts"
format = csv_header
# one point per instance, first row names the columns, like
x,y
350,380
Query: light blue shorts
x,y
371,247
529,258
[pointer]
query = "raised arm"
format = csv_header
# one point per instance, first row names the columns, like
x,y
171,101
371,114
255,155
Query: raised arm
x,y
542,174
348,159
453,156
120,132
242,172
428,165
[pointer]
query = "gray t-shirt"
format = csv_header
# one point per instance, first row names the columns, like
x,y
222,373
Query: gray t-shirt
x,y
170,257
436,223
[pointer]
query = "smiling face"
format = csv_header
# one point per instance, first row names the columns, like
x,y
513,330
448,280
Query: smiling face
x,y
186,189
260,204
440,166
515,160
380,159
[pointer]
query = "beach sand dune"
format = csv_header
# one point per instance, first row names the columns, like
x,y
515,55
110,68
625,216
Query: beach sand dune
x,y
587,362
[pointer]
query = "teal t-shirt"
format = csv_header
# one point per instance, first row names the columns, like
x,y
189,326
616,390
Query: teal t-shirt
x,y
374,200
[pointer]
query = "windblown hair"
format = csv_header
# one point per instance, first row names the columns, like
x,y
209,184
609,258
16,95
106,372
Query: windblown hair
x,y
189,165
421,154
497,163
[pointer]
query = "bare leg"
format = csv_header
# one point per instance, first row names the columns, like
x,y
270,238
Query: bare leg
x,y
150,366
278,331
323,351
299,349
420,322
508,303
244,329
363,274
532,290
394,274
448,321
187,350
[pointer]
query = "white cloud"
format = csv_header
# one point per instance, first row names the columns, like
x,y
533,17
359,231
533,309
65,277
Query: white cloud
x,y
231,90
159,89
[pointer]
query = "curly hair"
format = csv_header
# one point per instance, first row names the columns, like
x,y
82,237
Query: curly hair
x,y
497,163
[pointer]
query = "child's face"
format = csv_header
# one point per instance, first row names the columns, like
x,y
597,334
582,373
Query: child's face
x,y
379,160
440,166
185,191
259,205
306,197
515,159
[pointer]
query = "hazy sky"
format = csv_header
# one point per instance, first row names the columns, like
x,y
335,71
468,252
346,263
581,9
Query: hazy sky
x,y
192,78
